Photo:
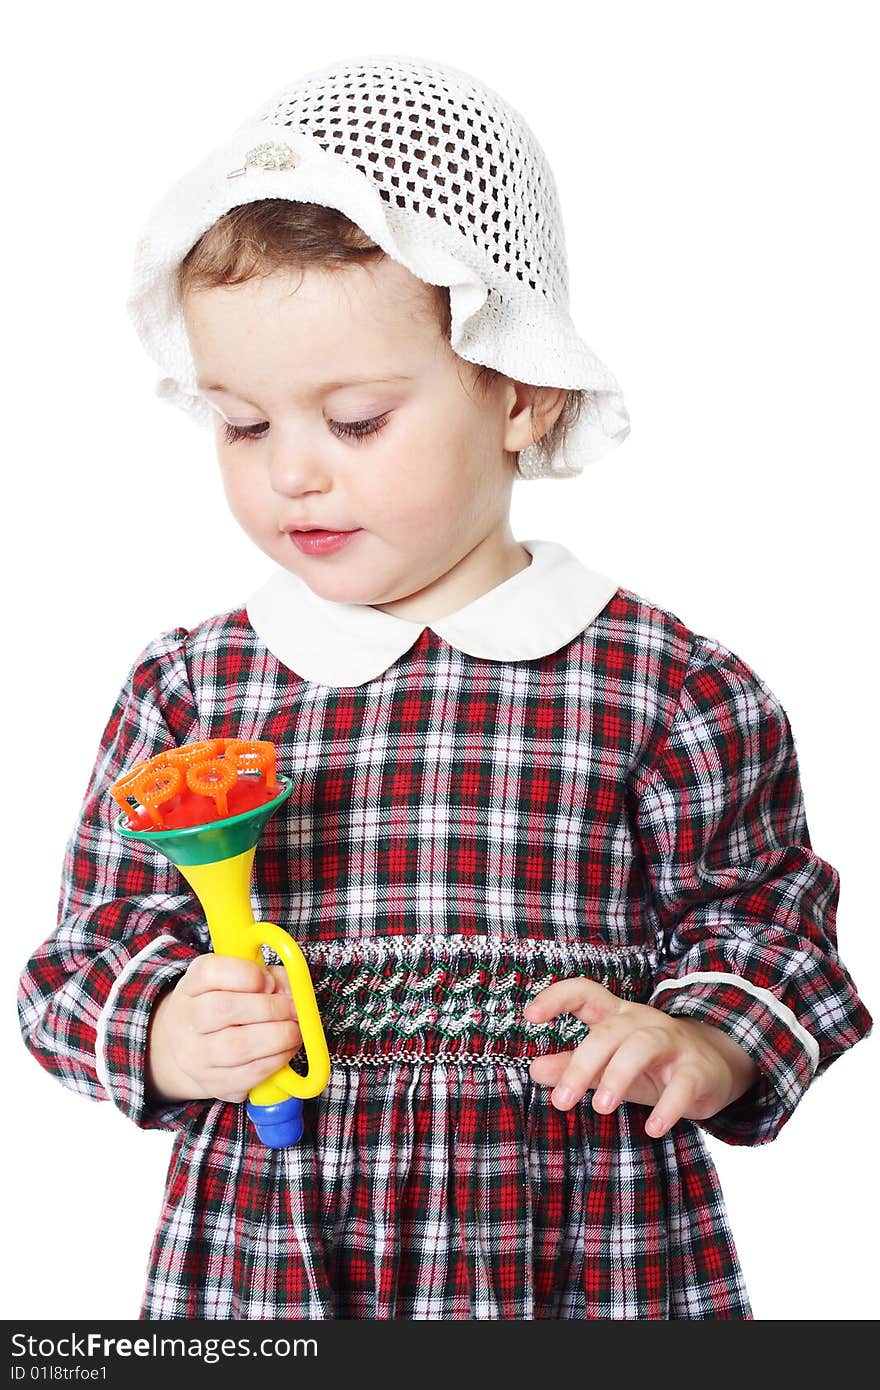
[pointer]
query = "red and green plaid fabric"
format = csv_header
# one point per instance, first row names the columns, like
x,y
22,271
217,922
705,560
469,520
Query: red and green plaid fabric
x,y
461,833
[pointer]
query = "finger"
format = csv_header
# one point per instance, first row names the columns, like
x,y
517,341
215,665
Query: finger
x,y
235,1084
587,999
640,1050
677,1100
279,975
588,1061
237,1047
220,1009
547,1070
212,971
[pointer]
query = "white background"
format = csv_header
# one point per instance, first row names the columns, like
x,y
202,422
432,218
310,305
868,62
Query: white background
x,y
716,165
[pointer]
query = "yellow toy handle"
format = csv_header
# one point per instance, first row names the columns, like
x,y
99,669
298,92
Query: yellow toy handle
x,y
286,1082
222,887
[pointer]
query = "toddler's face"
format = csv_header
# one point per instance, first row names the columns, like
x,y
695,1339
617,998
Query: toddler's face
x,y
426,487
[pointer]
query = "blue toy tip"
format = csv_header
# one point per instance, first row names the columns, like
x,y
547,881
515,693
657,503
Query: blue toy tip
x,y
280,1125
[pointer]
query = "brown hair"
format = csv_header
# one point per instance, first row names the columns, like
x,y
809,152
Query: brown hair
x,y
255,239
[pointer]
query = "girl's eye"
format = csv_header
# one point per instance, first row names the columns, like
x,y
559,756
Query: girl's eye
x,y
359,429
356,429
234,433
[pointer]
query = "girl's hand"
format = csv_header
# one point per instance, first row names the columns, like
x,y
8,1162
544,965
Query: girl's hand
x,y
684,1068
226,1025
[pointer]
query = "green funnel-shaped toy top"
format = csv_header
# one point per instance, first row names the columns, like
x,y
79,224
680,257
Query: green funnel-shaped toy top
x,y
209,844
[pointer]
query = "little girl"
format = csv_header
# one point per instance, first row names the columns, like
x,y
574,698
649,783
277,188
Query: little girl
x,y
546,852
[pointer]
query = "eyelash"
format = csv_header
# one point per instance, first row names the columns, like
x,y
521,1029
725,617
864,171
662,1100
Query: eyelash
x,y
356,429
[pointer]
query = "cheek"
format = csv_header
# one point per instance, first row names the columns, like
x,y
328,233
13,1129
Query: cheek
x,y
243,490
417,490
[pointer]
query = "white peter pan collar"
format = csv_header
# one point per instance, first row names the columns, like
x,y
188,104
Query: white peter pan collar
x,y
533,613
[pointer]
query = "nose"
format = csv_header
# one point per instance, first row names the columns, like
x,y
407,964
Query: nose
x,y
295,466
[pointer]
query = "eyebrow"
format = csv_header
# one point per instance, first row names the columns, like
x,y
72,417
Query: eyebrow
x,y
322,386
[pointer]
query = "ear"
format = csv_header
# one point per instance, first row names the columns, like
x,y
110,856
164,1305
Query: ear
x,y
533,410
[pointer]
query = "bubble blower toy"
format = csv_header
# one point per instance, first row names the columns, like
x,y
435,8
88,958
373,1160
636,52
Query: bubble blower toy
x,y
204,806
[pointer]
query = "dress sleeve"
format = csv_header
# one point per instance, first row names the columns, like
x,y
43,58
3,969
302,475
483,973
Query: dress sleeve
x,y
128,926
746,909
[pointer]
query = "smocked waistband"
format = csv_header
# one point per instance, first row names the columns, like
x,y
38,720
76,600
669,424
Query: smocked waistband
x,y
457,999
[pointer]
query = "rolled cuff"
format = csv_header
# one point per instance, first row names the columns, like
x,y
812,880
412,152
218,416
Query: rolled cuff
x,y
121,1035
785,1054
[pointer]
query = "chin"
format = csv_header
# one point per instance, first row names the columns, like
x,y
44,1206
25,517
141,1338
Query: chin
x,y
339,588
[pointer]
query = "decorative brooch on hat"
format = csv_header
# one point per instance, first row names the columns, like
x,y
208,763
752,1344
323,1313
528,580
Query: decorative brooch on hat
x,y
269,156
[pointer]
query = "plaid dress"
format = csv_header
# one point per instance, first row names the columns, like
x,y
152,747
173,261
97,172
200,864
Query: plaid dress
x,y
462,832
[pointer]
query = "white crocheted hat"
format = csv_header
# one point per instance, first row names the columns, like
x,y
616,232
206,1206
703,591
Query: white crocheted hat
x,y
447,178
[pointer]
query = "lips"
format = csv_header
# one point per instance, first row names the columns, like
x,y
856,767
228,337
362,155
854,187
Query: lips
x,y
321,542
319,530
